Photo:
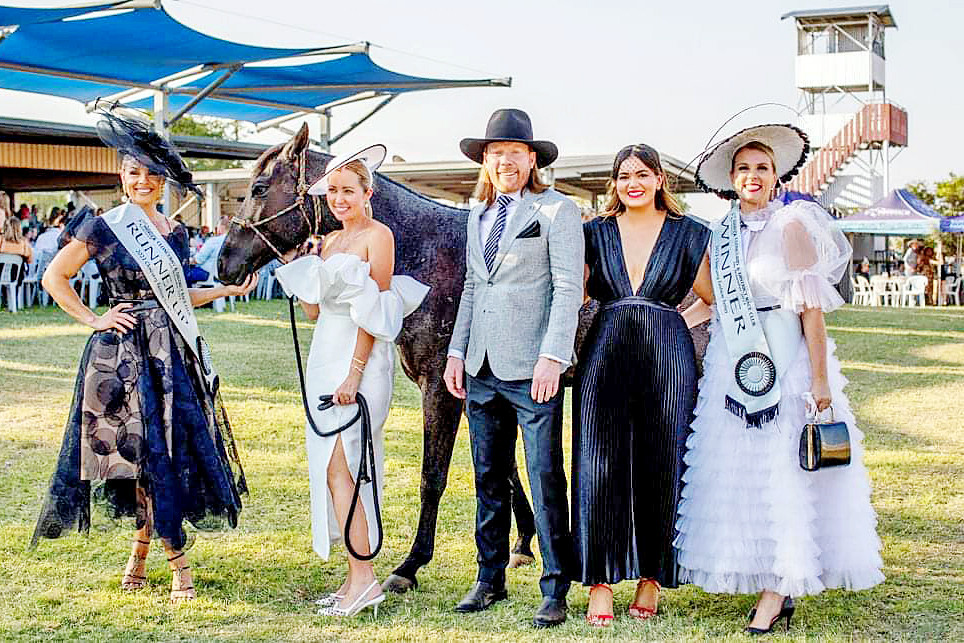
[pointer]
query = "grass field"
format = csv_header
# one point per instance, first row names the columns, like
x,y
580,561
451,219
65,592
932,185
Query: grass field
x,y
906,371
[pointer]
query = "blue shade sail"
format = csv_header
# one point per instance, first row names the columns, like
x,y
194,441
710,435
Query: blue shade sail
x,y
10,16
84,58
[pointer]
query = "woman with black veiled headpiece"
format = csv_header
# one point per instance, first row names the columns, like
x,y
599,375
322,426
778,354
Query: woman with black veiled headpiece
x,y
145,438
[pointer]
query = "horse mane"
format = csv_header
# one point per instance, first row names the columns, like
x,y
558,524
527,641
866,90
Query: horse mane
x,y
266,157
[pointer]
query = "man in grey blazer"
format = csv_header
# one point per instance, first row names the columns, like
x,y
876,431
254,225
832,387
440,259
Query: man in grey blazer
x,y
513,338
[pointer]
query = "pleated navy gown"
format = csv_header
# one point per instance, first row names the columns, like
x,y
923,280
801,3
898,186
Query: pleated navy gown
x,y
633,403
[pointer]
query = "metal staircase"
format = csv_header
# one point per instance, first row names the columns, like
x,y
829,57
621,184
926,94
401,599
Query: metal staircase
x,y
876,127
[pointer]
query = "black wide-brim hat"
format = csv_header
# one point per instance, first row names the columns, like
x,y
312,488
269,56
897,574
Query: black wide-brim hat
x,y
789,144
512,126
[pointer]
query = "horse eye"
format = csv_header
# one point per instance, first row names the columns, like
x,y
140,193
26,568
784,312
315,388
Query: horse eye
x,y
259,189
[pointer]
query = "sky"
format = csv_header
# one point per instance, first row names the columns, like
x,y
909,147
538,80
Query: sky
x,y
593,75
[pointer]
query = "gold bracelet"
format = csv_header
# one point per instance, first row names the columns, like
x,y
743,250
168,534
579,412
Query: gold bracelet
x,y
360,370
359,362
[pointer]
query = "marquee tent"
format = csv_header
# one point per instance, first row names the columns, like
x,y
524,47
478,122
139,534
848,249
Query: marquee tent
x,y
900,213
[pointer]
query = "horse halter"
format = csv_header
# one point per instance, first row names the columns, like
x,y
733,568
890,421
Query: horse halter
x,y
314,223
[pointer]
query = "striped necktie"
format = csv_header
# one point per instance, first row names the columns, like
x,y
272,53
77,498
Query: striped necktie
x,y
492,243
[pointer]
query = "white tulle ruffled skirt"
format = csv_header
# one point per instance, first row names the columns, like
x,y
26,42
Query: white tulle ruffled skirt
x,y
750,518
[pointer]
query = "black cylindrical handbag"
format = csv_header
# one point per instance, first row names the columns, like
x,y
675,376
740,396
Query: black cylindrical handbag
x,y
824,444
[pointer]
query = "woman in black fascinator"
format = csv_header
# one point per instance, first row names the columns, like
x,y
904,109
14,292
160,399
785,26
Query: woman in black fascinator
x,y
147,436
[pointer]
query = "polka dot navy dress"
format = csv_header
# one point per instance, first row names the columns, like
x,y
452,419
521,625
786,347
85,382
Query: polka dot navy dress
x,y
141,417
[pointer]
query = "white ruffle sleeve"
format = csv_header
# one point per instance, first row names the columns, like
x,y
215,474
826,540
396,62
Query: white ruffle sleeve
x,y
800,256
344,281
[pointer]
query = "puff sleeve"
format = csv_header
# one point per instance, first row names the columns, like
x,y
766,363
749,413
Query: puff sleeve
x,y
802,256
344,281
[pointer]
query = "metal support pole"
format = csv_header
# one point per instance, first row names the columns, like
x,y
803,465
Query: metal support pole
x,y
388,99
324,136
201,95
161,107
213,209
885,158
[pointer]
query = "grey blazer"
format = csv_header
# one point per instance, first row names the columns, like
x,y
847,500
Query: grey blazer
x,y
529,304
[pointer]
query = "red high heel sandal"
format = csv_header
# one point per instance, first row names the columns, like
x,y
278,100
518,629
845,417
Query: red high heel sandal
x,y
643,612
599,620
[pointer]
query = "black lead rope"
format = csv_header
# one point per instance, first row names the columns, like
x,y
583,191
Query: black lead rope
x,y
366,465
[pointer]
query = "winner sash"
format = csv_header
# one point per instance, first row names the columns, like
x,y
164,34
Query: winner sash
x,y
163,270
754,392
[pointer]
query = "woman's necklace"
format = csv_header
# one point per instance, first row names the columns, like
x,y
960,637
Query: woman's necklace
x,y
342,244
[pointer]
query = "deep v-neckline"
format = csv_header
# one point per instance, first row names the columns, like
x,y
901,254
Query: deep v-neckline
x,y
649,260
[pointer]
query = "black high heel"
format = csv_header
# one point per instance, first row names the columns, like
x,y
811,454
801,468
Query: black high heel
x,y
786,611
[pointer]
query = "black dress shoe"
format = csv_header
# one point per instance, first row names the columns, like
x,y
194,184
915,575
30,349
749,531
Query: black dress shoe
x,y
481,597
552,612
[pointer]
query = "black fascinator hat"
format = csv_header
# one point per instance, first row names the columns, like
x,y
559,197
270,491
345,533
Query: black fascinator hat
x,y
135,138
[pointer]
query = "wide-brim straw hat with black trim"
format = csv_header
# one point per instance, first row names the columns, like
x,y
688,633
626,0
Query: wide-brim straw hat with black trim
x,y
372,156
512,126
790,148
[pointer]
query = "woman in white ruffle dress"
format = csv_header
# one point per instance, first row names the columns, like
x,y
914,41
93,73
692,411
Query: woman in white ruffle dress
x,y
751,519
353,313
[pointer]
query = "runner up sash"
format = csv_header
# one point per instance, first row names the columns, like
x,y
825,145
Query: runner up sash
x,y
163,270
754,392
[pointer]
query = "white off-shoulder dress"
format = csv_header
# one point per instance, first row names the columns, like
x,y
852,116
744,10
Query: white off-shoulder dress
x,y
348,299
750,517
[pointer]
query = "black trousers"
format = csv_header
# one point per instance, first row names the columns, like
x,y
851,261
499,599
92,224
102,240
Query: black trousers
x,y
494,408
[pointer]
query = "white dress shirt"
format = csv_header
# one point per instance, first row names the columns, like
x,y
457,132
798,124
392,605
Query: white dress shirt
x,y
487,220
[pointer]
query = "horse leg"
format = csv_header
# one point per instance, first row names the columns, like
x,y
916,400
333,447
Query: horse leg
x,y
525,523
441,415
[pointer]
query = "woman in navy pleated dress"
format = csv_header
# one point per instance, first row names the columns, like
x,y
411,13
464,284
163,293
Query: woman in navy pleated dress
x,y
636,387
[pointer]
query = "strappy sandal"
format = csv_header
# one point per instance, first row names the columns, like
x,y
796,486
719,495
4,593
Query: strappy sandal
x,y
599,620
136,566
644,612
179,592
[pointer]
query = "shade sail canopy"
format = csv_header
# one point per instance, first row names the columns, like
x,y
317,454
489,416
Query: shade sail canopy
x,y
29,16
899,213
87,53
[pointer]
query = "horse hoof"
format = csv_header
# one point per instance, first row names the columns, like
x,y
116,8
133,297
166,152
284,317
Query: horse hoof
x,y
520,560
399,584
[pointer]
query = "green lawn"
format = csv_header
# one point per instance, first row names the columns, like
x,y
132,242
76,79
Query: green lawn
x,y
906,371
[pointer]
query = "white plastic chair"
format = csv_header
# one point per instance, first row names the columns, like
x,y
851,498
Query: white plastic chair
x,y
953,290
32,290
914,291
880,295
218,304
266,280
861,288
90,281
11,268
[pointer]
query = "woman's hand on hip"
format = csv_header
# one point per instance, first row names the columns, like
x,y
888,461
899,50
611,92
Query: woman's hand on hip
x,y
345,394
115,318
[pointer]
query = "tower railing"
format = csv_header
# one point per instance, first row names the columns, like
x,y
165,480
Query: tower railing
x,y
871,127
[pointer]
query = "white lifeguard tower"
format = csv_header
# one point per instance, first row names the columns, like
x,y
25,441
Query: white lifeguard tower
x,y
840,71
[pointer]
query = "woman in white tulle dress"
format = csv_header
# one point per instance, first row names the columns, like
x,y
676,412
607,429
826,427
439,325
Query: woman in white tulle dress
x,y
751,519
359,306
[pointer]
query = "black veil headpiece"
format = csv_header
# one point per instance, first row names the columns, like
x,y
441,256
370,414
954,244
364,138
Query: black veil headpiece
x,y
135,138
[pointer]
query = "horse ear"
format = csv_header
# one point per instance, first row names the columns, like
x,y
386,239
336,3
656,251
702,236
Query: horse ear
x,y
296,145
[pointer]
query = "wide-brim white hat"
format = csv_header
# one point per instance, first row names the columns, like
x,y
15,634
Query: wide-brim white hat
x,y
790,148
372,156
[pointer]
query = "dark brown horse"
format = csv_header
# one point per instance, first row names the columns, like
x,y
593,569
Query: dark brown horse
x,y
429,246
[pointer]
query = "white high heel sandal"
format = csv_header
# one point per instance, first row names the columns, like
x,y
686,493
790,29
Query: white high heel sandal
x,y
331,599
357,606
